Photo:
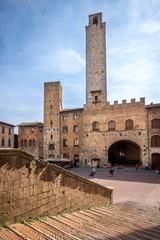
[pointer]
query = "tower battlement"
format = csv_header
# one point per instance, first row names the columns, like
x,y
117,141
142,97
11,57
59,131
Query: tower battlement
x,y
124,102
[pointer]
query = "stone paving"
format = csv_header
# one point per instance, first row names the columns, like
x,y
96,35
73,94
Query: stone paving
x,y
139,186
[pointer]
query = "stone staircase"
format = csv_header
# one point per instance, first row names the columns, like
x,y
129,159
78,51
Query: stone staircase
x,y
124,221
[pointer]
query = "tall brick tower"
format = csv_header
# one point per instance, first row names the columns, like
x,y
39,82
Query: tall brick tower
x,y
52,106
96,60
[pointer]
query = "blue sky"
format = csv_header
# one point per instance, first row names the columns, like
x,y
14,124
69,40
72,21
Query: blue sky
x,y
44,40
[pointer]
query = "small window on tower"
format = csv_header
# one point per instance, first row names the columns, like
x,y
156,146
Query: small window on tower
x,y
96,98
95,20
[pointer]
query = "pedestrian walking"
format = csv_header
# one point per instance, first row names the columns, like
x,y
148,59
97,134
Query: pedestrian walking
x,y
93,173
111,171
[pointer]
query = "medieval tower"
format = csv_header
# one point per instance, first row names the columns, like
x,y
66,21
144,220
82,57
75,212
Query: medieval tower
x,y
52,107
99,132
96,60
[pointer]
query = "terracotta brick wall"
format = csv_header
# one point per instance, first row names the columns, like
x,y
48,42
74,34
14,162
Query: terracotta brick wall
x,y
30,188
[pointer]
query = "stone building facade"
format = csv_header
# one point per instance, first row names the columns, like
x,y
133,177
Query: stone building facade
x,y
100,132
6,135
30,138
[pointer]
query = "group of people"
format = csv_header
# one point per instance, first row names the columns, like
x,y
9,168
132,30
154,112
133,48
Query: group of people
x,y
148,166
111,170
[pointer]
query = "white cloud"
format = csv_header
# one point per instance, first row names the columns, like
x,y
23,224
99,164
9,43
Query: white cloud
x,y
136,71
66,61
149,28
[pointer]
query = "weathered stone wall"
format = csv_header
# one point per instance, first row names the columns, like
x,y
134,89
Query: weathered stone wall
x,y
30,188
96,144
52,106
95,59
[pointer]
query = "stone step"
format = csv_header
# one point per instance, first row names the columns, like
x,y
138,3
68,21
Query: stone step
x,y
123,221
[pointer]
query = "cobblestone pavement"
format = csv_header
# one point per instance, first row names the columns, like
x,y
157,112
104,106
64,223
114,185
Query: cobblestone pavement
x,y
140,185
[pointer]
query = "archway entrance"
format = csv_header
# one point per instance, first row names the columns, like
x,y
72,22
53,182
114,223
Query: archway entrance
x,y
95,162
155,160
125,153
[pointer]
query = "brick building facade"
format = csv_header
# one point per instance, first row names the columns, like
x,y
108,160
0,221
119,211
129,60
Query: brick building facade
x,y
100,132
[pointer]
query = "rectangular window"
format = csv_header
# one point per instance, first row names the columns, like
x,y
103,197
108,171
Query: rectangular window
x,y
9,143
3,129
9,131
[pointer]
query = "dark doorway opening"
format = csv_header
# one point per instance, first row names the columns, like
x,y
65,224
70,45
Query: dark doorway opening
x,y
76,160
125,153
155,160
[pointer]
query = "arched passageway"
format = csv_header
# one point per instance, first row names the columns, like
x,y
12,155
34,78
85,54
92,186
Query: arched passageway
x,y
95,162
125,153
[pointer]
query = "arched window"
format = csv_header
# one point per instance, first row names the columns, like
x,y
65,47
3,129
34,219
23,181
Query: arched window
x,y
76,142
64,142
95,20
51,107
22,143
155,141
65,129
129,124
34,143
65,117
111,125
51,122
75,116
76,128
96,98
9,142
155,123
25,143
51,146
95,126
32,130
30,142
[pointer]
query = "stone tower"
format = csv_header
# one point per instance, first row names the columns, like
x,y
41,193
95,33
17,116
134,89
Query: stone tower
x,y
96,60
52,106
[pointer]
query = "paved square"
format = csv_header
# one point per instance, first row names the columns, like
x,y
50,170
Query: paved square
x,y
140,186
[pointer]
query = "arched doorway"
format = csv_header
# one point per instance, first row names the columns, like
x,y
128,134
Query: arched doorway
x,y
95,162
155,160
125,153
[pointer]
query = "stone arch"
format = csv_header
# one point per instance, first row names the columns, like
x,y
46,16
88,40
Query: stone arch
x,y
95,160
95,126
125,152
129,124
51,146
155,123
